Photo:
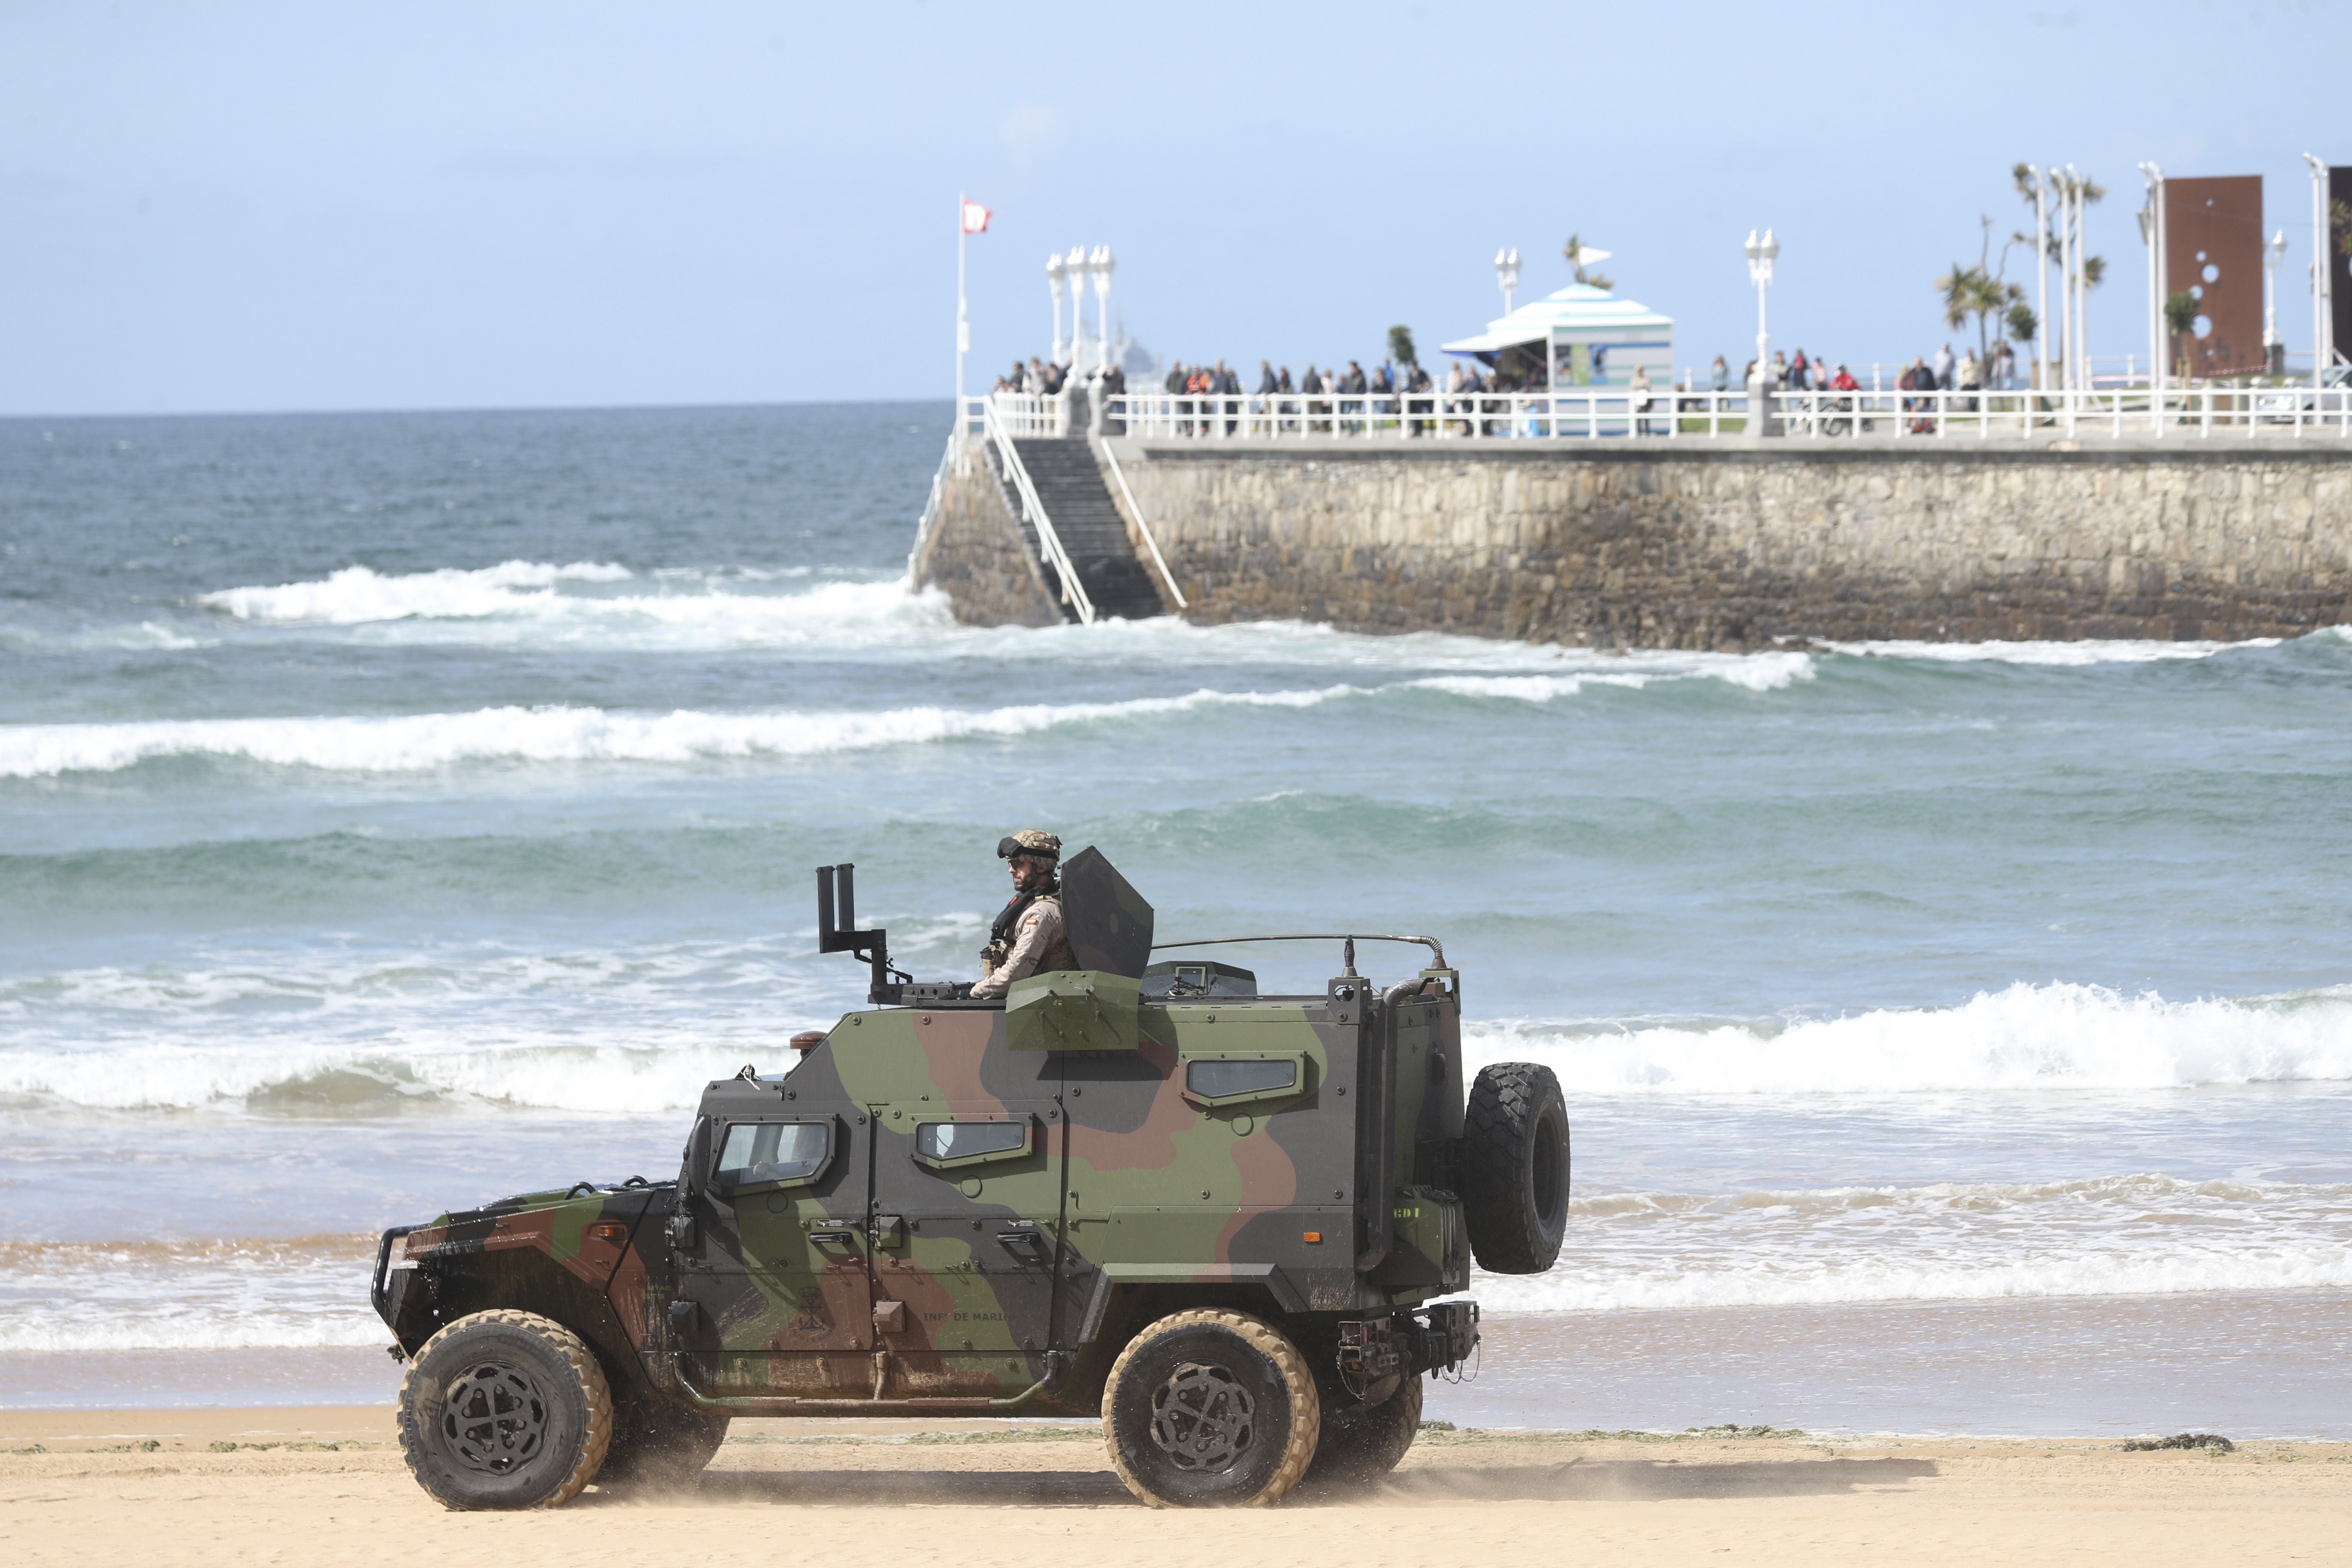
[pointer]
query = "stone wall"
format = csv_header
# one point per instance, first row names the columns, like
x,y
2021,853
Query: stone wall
x,y
975,552
1732,546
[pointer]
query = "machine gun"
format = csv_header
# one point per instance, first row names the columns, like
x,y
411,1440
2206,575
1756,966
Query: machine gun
x,y
837,935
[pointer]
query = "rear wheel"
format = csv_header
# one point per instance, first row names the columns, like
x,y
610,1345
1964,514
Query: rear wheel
x,y
504,1410
658,1447
1516,1168
1361,1443
1211,1409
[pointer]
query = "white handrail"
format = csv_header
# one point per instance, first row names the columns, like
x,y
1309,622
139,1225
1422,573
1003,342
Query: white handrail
x,y
1136,512
1667,414
1074,593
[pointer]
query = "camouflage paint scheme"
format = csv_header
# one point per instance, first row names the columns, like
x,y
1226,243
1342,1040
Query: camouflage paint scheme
x,y
1009,1277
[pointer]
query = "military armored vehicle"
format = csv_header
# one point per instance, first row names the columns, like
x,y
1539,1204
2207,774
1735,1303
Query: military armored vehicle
x,y
1220,1220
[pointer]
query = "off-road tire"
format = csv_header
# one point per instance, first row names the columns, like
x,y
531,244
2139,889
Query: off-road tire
x,y
1514,1168
1261,1395
534,1420
658,1447
1361,1443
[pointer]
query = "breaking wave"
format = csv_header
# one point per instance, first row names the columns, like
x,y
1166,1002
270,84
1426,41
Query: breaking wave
x,y
420,742
2025,1037
423,742
2133,1234
357,593
231,1294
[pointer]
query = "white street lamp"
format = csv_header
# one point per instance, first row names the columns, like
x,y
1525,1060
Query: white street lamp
x,y
2077,185
1053,271
1761,255
2322,300
1102,265
1074,260
2273,357
1507,274
2040,277
2151,230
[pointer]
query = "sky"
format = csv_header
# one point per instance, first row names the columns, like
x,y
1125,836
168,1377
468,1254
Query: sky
x,y
260,207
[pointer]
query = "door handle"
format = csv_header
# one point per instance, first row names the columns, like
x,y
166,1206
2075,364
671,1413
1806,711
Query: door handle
x,y
844,1239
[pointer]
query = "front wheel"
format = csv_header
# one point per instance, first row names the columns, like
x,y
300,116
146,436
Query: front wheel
x,y
504,1410
1361,1443
1211,1409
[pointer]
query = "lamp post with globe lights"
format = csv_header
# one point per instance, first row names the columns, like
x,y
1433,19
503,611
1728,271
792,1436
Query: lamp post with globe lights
x,y
1074,263
1506,275
1761,255
1101,265
1053,271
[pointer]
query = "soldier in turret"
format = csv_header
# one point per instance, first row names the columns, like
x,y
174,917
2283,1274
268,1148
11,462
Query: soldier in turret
x,y
1027,937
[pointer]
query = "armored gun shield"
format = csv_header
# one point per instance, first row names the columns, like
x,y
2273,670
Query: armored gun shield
x,y
1109,923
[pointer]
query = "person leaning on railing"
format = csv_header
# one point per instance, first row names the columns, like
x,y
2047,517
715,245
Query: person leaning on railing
x,y
1112,383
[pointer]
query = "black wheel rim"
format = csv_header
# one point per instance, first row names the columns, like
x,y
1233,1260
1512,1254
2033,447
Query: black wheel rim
x,y
1203,1418
493,1418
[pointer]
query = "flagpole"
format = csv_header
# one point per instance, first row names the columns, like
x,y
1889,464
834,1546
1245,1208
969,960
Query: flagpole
x,y
963,328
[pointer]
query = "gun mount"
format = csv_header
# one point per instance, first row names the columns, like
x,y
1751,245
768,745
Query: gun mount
x,y
838,935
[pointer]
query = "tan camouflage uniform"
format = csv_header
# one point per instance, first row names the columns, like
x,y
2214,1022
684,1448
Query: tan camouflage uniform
x,y
1040,943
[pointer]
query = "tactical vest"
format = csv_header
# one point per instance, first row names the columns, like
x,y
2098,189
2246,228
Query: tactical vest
x,y
1005,930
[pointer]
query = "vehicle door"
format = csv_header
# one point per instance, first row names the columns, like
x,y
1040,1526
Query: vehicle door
x,y
781,1268
967,1214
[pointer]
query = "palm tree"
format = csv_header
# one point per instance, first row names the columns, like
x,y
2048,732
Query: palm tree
x,y
2180,316
1980,291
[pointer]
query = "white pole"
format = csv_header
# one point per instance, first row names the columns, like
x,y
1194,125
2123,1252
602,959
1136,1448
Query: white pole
x,y
2323,308
963,324
2065,347
2153,236
2041,276
1054,281
2071,251
2082,282
2273,254
1104,264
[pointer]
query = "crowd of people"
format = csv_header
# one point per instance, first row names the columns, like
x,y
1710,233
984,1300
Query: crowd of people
x,y
1969,372
1796,371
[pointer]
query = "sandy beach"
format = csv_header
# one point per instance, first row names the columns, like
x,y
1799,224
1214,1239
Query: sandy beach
x,y
327,1485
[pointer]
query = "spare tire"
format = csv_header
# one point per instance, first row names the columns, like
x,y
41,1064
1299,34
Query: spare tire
x,y
1514,1165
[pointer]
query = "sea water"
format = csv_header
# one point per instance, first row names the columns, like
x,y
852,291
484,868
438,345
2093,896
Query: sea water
x,y
398,811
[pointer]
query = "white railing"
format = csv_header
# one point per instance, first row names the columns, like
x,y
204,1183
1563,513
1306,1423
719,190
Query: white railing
x,y
1030,416
1666,414
1032,510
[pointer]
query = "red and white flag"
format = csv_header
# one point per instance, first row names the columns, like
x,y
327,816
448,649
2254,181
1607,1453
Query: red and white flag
x,y
975,217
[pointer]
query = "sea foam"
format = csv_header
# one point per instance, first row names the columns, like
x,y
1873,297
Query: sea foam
x,y
420,742
2127,1235
2024,1037
357,593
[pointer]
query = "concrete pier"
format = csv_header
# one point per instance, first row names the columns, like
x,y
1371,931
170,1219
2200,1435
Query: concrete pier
x,y
1727,544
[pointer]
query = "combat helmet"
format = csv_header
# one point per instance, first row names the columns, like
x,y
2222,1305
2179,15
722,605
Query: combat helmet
x,y
1032,841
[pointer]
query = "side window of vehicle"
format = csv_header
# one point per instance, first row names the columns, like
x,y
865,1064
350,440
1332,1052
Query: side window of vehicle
x,y
772,1153
1225,1080
967,1142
